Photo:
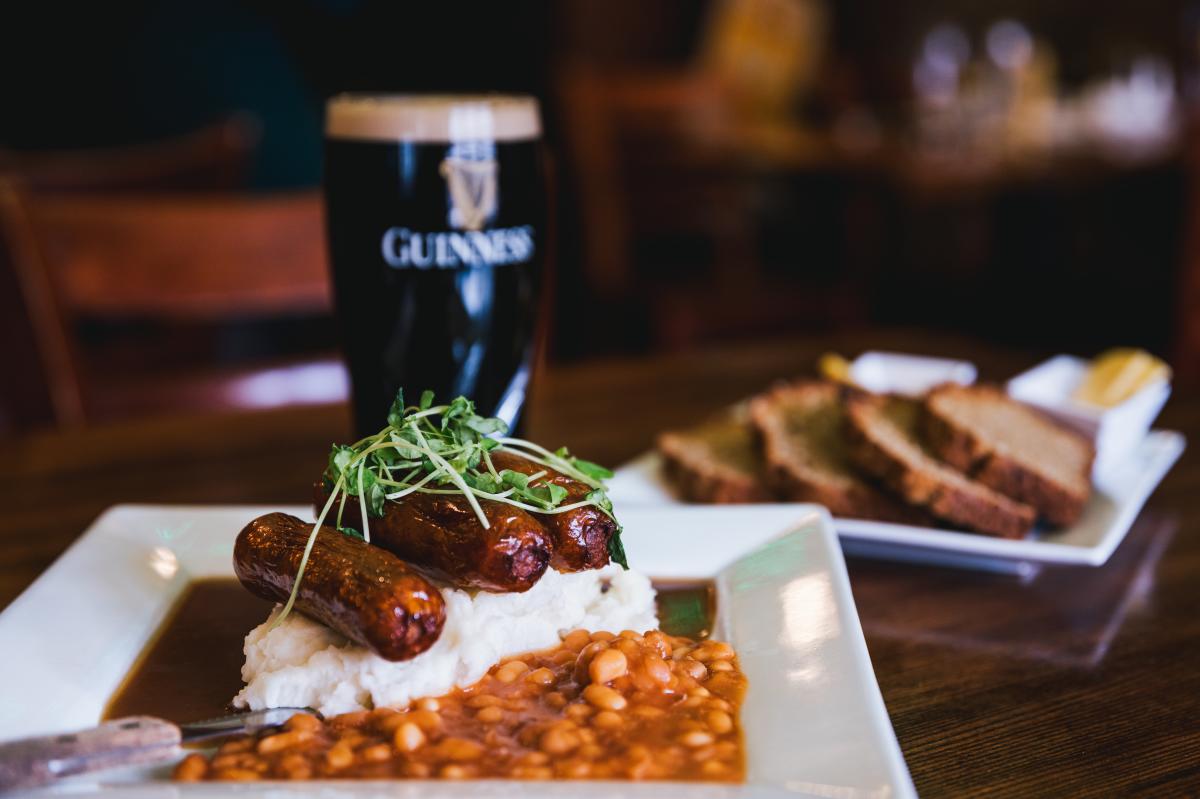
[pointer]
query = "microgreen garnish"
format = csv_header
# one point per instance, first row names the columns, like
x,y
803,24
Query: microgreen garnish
x,y
445,449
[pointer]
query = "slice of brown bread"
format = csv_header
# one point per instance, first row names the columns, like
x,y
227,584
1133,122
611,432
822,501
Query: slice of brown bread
x,y
804,444
717,461
884,432
1011,448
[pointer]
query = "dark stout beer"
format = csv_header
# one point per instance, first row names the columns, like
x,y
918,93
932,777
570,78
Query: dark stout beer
x,y
435,213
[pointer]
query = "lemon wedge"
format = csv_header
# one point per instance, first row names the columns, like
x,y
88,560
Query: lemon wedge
x,y
1117,374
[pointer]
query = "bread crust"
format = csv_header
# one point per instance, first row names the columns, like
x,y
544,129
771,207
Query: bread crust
x,y
930,485
970,452
849,494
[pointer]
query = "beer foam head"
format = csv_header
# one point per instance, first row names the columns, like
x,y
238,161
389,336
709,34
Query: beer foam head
x,y
432,118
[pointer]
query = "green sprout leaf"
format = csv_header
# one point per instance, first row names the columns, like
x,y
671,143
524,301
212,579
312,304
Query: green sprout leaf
x,y
426,400
592,470
395,415
616,550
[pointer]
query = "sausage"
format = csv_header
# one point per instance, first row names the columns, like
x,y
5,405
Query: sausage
x,y
366,594
580,536
440,534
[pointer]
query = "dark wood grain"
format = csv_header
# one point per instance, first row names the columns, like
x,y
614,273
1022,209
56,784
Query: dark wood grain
x,y
1078,682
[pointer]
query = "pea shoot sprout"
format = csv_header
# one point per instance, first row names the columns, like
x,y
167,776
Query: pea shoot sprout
x,y
445,449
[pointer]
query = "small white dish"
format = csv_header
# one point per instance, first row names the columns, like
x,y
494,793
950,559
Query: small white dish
x,y
814,720
1118,495
911,375
1050,386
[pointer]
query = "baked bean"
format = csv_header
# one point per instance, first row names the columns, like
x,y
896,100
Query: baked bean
x,y
590,750
656,669
429,703
459,749
408,737
191,769
608,665
607,720
237,775
604,698
602,635
490,715
578,712
542,676
295,767
511,671
339,756
279,742
694,669
696,738
719,721
534,759
556,741
453,772
390,723
720,665
555,700
427,720
376,753
577,639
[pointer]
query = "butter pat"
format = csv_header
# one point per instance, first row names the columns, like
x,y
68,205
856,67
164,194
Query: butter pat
x,y
1116,375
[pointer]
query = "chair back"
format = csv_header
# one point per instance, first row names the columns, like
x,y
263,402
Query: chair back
x,y
164,257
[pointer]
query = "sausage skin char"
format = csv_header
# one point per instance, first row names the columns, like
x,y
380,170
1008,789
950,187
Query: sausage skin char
x,y
440,534
368,595
580,536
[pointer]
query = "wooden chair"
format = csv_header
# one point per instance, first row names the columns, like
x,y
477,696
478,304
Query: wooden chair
x,y
214,158
166,258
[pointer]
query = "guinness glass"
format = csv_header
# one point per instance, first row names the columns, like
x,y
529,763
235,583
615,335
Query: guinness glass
x,y
435,213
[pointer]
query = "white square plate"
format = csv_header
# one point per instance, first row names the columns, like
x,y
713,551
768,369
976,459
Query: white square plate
x,y
814,720
1118,496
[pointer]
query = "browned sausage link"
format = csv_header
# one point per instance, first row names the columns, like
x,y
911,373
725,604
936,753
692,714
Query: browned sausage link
x,y
366,594
441,534
580,536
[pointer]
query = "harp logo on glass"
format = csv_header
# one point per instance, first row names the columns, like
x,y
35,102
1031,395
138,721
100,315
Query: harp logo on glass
x,y
471,173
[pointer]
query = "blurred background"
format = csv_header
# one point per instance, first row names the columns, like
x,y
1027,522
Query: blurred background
x,y
1020,172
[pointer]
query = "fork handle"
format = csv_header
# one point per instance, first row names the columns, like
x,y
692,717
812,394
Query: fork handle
x,y
136,740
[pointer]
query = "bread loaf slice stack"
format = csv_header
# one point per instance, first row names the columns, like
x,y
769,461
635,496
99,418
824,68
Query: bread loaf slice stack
x,y
967,457
802,429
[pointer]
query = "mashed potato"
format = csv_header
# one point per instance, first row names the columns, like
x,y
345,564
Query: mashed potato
x,y
302,663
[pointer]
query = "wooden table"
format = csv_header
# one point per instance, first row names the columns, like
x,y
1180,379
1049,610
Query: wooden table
x,y
1077,682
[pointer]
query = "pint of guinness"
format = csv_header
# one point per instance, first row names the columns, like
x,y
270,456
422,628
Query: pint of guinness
x,y
435,211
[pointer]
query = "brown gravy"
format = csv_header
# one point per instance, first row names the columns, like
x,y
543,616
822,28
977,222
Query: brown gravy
x,y
191,669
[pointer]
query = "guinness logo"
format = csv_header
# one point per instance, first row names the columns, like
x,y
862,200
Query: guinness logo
x,y
471,185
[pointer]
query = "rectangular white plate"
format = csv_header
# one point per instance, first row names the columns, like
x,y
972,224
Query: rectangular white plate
x,y
1120,492
814,720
